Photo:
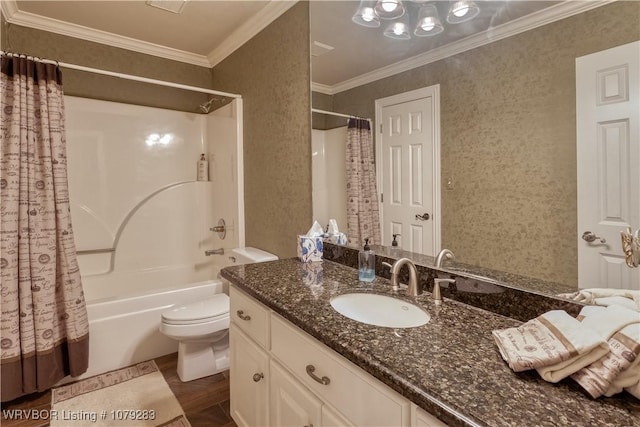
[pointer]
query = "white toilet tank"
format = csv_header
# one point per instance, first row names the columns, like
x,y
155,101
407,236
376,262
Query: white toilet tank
x,y
250,255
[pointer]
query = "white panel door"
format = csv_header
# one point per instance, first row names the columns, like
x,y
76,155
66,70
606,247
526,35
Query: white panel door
x,y
608,156
291,403
409,174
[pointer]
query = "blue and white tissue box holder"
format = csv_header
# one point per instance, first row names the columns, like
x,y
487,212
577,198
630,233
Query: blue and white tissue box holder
x,y
310,249
337,239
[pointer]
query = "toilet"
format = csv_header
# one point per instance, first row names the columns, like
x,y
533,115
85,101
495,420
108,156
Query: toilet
x,y
202,327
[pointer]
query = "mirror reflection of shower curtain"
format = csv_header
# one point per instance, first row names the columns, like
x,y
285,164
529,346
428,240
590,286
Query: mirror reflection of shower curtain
x,y
44,326
363,216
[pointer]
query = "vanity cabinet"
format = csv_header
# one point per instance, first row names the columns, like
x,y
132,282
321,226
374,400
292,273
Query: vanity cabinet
x,y
248,360
421,418
291,403
355,394
289,378
248,380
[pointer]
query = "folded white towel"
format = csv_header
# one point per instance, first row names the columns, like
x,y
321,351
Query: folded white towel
x,y
606,321
554,342
598,378
603,322
600,295
629,378
617,300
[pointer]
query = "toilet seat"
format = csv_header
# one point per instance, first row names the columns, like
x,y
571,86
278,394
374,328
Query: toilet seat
x,y
205,311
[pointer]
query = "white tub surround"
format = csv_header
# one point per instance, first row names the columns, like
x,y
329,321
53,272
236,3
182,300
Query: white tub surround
x,y
142,221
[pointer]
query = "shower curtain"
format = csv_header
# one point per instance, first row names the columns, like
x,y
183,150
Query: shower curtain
x,y
44,333
363,219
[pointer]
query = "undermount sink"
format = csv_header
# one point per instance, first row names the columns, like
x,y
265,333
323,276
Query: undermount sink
x,y
380,310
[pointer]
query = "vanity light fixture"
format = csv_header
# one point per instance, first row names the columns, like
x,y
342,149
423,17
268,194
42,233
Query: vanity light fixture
x,y
398,29
421,13
365,15
389,9
462,11
428,21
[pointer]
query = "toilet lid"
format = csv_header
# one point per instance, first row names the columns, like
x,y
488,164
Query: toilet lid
x,y
198,311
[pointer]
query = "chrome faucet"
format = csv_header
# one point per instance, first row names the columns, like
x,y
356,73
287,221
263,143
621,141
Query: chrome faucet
x,y
214,252
413,275
445,253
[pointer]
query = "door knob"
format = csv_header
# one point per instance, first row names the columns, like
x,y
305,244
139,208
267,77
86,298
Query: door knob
x,y
423,217
590,237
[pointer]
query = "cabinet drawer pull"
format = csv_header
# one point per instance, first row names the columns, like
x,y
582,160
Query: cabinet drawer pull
x,y
258,376
324,380
242,315
310,425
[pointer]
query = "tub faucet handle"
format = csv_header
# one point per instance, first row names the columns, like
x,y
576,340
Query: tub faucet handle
x,y
221,228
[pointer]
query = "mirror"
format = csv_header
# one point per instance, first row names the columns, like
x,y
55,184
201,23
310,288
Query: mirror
x,y
508,125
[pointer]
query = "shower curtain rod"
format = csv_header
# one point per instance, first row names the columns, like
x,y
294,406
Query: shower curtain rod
x,y
331,113
128,76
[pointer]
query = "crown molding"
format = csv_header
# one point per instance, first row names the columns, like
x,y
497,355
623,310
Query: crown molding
x,y
517,26
15,16
319,87
272,11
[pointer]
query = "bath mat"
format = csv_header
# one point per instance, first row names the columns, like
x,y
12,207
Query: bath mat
x,y
134,396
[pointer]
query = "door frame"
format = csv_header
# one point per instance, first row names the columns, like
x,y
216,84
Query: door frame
x,y
425,92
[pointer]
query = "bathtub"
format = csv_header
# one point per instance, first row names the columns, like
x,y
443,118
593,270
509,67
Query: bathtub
x,y
123,329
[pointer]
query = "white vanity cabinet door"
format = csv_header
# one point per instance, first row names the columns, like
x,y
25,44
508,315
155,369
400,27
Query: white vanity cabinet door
x,y
331,418
248,380
291,404
421,418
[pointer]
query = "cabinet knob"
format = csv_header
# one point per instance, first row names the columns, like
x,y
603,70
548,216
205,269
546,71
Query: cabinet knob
x,y
258,376
242,315
324,380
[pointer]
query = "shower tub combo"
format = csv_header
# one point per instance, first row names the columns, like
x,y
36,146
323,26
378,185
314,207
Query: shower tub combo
x,y
142,221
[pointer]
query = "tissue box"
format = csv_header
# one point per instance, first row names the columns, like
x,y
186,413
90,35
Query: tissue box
x,y
337,239
313,276
310,249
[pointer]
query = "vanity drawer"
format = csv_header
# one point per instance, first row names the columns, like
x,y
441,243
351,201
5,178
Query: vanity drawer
x,y
362,399
250,316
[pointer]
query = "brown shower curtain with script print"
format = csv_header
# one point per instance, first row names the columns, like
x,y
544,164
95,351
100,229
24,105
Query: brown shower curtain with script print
x,y
44,333
363,214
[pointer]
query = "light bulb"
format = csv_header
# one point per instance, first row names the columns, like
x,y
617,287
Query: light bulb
x,y
389,5
367,14
428,24
461,11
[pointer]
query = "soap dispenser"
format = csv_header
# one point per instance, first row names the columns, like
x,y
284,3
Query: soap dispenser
x,y
395,248
366,263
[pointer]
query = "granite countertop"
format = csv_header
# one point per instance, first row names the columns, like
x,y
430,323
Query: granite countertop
x,y
450,367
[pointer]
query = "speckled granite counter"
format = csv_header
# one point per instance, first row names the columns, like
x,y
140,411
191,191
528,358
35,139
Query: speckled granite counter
x,y
450,367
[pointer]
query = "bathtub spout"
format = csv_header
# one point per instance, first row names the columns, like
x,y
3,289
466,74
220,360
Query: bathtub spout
x,y
214,252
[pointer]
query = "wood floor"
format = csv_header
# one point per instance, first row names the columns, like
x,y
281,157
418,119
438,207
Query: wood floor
x,y
205,401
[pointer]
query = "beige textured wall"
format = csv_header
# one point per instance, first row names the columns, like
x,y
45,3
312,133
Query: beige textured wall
x,y
272,71
508,140
77,83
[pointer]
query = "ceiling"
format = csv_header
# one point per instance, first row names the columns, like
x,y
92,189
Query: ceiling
x,y
206,31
